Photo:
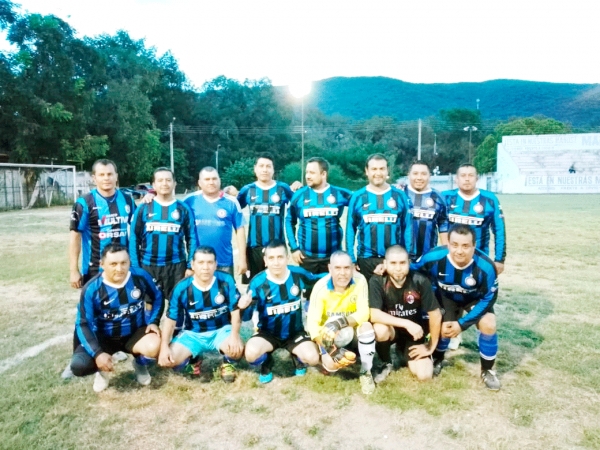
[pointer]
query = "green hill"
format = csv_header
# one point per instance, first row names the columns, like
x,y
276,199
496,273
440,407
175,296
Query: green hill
x,y
364,97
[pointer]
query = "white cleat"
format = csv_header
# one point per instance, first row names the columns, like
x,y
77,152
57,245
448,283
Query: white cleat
x,y
100,381
119,356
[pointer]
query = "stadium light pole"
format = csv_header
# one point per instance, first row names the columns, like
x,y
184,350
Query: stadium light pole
x,y
171,144
300,91
470,129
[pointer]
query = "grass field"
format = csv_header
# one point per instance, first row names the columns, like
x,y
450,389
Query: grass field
x,y
549,362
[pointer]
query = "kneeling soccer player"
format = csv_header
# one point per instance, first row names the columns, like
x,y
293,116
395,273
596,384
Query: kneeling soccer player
x,y
276,295
340,302
464,280
111,318
204,303
399,302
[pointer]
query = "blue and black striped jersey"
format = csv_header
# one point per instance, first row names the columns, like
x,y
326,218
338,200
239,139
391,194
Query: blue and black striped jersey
x,y
160,234
101,221
319,213
204,310
378,220
279,304
481,212
430,217
116,311
267,208
475,282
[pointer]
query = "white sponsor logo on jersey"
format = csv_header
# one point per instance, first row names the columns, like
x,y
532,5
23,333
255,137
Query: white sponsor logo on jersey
x,y
466,220
380,218
283,309
320,212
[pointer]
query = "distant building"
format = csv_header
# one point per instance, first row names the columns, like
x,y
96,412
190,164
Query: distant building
x,y
551,163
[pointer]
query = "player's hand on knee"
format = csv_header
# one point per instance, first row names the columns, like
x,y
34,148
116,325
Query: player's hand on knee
x,y
415,330
451,329
152,328
165,357
419,351
298,257
104,362
330,330
234,347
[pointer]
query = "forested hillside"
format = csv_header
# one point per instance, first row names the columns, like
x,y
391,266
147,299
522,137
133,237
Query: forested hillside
x,y
364,97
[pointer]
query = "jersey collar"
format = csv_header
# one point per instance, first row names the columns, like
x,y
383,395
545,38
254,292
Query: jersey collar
x,y
331,287
426,191
117,286
207,288
271,278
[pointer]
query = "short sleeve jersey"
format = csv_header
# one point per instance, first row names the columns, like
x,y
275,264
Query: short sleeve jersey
x,y
482,212
204,309
267,209
279,303
162,234
318,214
430,217
410,301
101,221
215,221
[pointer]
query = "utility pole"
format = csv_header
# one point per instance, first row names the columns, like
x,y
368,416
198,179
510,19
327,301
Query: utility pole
x,y
419,145
217,157
171,144
470,129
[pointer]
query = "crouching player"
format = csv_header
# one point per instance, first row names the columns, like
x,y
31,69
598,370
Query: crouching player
x,y
276,295
111,318
204,302
339,303
464,280
400,303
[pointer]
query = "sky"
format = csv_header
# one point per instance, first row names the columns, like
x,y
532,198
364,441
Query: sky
x,y
291,42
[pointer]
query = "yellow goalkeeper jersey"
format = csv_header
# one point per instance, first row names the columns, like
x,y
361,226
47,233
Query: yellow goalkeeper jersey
x,y
325,302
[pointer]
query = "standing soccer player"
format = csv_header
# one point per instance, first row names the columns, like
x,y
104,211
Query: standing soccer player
x,y
208,304
266,200
464,280
480,209
378,217
317,208
97,220
428,209
276,295
404,311
111,318
163,234
217,215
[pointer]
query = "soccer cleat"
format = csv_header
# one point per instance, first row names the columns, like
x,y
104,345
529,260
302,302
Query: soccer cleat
x,y
438,365
490,380
385,371
67,374
228,373
100,381
300,371
367,384
141,374
265,378
193,369
119,356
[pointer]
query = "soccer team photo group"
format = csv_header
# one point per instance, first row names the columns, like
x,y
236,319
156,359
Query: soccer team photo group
x,y
158,279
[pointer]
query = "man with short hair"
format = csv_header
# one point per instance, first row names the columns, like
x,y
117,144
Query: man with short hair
x,y
163,234
464,280
428,209
480,209
208,305
111,317
339,304
266,200
378,217
317,209
276,294
405,312
217,215
97,220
